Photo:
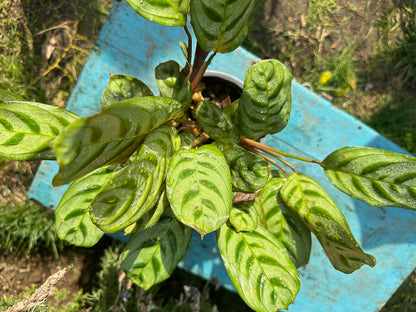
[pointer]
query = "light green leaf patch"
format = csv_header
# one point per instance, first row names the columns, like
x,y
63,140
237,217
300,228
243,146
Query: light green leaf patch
x,y
259,267
27,129
376,177
198,186
305,197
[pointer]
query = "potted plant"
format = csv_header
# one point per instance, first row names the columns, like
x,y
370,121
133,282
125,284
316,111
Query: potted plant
x,y
159,167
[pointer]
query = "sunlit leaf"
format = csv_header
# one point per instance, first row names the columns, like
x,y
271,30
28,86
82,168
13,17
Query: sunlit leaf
x,y
259,267
278,219
73,222
265,103
220,25
165,12
249,172
151,255
111,136
243,216
198,186
6,96
27,129
172,82
217,124
376,177
319,212
135,189
123,87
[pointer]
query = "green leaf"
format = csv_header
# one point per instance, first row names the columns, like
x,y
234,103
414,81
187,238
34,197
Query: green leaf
x,y
319,212
184,49
165,12
6,96
265,103
249,172
123,87
198,186
111,136
217,124
278,219
232,111
151,255
243,216
73,222
27,129
187,139
220,25
135,189
173,83
376,177
259,267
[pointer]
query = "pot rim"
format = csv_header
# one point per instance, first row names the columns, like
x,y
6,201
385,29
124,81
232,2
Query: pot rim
x,y
224,76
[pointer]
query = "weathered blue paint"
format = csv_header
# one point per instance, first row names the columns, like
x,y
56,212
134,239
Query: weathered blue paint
x,y
131,45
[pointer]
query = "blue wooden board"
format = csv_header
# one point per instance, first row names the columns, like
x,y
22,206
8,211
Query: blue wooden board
x,y
129,44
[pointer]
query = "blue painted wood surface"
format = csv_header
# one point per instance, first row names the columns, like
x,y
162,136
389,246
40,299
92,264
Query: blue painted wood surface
x,y
129,44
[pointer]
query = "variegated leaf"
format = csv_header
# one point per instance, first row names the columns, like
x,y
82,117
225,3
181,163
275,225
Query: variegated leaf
x,y
376,177
73,222
278,219
6,96
198,186
151,255
265,103
135,189
259,267
111,136
173,83
27,129
319,212
123,87
244,217
249,172
220,25
217,124
165,12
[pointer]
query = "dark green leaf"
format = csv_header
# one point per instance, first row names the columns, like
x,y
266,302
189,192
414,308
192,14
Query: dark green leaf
x,y
318,211
217,124
284,224
165,12
135,189
111,136
186,139
73,222
173,83
198,186
123,87
27,129
376,177
265,103
220,25
259,267
249,172
151,255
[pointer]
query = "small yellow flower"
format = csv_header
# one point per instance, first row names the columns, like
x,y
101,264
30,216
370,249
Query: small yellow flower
x,y
325,77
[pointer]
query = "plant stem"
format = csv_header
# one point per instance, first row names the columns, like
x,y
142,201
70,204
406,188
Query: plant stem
x,y
274,152
201,72
189,60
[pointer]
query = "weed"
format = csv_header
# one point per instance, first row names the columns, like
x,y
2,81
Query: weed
x,y
27,228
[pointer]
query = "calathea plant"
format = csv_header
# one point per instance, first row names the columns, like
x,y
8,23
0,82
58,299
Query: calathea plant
x,y
159,167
